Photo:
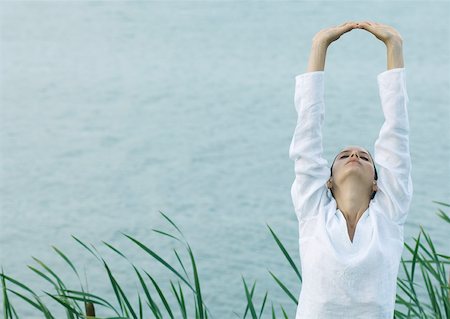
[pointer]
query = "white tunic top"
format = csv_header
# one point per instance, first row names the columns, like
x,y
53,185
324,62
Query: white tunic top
x,y
344,279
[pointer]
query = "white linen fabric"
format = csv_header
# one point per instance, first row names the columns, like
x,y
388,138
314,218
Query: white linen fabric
x,y
341,278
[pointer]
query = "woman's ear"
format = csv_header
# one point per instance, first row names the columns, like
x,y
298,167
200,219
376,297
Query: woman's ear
x,y
374,186
329,183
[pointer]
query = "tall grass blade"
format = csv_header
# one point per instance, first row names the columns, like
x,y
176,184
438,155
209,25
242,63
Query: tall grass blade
x,y
88,297
17,283
285,289
251,296
263,304
51,272
154,308
180,302
66,305
441,203
28,300
44,309
59,286
161,260
161,295
173,224
8,309
166,234
120,295
115,250
63,256
197,284
285,253
249,300
86,247
43,275
140,307
182,266
284,313
443,215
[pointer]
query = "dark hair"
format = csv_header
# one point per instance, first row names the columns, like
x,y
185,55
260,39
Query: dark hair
x,y
374,168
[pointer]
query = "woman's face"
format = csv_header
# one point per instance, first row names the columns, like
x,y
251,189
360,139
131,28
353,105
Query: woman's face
x,y
353,161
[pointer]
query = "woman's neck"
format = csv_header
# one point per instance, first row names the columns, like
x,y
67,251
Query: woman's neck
x,y
352,201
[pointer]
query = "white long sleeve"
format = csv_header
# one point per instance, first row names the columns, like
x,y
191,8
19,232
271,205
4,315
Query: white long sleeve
x,y
311,169
341,278
392,155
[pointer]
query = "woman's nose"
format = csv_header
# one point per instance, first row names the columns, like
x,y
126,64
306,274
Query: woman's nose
x,y
354,153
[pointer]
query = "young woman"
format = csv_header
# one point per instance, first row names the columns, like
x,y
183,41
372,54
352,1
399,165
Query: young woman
x,y
351,216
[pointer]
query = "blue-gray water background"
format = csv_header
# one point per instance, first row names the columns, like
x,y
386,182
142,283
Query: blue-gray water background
x,y
112,111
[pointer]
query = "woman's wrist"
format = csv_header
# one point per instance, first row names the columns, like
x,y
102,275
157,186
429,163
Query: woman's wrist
x,y
394,54
319,44
317,56
395,42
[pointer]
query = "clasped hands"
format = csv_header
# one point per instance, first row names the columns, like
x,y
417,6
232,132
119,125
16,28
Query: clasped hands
x,y
385,33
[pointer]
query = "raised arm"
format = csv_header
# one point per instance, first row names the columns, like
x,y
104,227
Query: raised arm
x,y
311,170
392,153
391,38
322,41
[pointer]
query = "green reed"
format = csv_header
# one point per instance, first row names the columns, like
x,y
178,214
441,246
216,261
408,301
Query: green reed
x,y
424,267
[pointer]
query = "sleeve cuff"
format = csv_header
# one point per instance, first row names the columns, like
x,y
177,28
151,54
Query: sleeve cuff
x,y
310,86
395,70
396,75
393,80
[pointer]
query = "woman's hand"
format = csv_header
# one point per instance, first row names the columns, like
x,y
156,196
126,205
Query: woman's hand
x,y
391,38
328,35
383,32
322,40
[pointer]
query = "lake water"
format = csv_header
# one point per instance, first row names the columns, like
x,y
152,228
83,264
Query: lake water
x,y
112,111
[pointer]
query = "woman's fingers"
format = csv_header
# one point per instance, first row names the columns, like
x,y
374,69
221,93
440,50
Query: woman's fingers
x,y
365,24
381,31
331,34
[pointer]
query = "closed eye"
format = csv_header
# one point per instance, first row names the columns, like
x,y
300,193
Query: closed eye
x,y
364,158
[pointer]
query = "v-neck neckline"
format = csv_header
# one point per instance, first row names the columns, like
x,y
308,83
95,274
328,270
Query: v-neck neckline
x,y
347,236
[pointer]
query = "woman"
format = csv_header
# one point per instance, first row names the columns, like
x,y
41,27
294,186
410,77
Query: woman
x,y
351,220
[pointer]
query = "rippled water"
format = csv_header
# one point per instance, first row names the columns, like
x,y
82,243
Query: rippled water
x,y
112,111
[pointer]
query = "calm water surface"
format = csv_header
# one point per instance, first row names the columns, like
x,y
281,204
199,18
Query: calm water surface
x,y
112,111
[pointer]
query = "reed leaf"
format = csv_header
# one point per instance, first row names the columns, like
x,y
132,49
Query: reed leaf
x,y
249,300
158,258
141,315
166,234
263,304
161,295
179,299
115,250
150,302
28,300
87,297
285,253
8,309
441,203
182,265
197,284
284,313
66,305
86,247
44,309
125,305
173,224
285,289
66,259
